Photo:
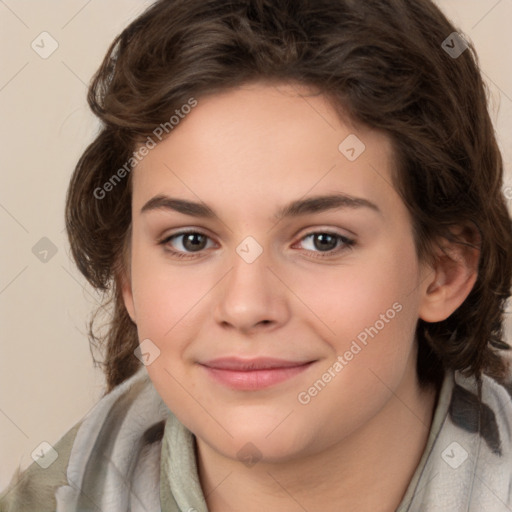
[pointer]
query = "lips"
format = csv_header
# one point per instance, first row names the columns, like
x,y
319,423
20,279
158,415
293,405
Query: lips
x,y
261,363
253,374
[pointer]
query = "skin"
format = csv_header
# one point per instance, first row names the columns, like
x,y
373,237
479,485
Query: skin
x,y
246,153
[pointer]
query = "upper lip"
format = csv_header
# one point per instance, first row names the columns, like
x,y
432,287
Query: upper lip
x,y
260,363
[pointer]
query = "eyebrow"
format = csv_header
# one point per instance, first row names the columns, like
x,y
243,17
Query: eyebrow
x,y
315,204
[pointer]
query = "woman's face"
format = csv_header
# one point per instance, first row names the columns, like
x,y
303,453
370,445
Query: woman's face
x,y
289,332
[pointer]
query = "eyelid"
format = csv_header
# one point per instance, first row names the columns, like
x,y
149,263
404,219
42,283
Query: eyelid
x,y
315,228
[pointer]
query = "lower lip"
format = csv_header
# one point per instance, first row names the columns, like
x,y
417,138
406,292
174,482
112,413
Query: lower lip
x,y
255,379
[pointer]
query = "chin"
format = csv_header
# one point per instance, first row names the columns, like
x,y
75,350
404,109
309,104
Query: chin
x,y
254,444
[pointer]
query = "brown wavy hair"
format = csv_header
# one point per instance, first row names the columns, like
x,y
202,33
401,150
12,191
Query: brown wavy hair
x,y
381,62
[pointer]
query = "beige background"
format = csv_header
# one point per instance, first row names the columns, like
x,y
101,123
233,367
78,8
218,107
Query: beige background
x,y
47,381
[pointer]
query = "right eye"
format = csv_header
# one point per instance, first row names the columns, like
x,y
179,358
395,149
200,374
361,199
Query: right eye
x,y
190,241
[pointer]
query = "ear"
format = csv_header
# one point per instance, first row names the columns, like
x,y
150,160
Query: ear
x,y
453,275
125,285
123,278
123,275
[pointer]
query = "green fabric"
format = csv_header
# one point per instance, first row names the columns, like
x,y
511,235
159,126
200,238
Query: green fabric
x,y
180,489
34,488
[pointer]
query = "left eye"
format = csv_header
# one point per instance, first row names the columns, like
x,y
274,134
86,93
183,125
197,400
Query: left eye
x,y
327,242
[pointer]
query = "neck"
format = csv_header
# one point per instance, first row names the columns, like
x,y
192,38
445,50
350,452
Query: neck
x,y
368,470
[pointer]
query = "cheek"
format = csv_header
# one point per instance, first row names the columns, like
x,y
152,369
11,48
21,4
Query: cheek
x,y
378,292
164,296
369,317
167,303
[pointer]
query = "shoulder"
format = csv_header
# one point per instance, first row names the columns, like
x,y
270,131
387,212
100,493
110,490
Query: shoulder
x,y
467,460
490,417
34,488
129,416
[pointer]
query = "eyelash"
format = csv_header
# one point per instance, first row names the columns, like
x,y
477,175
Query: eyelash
x,y
348,243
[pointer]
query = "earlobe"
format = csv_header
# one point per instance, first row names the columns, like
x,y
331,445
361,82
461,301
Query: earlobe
x,y
451,280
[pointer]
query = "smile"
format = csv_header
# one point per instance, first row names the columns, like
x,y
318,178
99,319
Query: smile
x,y
253,374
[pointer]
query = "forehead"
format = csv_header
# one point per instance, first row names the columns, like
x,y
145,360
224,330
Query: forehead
x,y
263,144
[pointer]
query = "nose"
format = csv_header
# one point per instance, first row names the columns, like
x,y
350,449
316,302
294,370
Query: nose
x,y
251,298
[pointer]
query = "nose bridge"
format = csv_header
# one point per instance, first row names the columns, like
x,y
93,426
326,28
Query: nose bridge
x,y
249,263
250,294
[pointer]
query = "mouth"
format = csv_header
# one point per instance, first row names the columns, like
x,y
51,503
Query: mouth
x,y
253,374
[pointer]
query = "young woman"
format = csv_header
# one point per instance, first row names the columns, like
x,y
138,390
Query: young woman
x,y
296,209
